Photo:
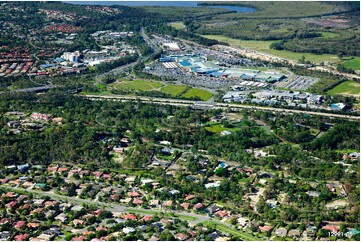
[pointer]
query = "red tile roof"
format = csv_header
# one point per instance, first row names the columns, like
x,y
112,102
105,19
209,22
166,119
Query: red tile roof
x,y
137,201
331,228
133,194
21,237
265,228
80,238
185,205
198,206
19,224
129,216
146,218
221,214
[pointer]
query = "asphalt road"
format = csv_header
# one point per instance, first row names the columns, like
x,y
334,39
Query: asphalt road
x,y
194,218
188,103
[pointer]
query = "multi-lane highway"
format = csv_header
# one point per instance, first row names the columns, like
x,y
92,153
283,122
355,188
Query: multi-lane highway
x,y
215,105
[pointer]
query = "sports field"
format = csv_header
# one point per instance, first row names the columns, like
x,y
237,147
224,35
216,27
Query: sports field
x,y
173,90
177,25
195,92
139,85
264,46
346,88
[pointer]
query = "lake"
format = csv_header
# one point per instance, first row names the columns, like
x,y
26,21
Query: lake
x,y
238,9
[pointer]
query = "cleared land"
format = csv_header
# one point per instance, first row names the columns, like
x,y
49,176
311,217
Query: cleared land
x,y
177,25
195,92
139,85
173,90
353,64
264,46
346,88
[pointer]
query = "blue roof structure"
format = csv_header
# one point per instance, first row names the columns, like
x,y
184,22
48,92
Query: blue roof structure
x,y
45,66
185,63
58,59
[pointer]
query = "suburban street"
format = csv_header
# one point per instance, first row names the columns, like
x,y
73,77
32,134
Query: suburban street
x,y
115,208
189,103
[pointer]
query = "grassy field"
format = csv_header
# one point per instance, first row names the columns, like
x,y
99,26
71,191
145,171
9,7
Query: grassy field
x,y
353,64
177,25
328,35
173,90
215,128
139,85
264,46
347,87
195,92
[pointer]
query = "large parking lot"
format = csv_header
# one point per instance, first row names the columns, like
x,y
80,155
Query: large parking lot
x,y
181,76
300,82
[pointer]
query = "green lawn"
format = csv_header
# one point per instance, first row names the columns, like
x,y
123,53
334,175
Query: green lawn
x,y
177,25
264,46
347,87
328,35
215,128
186,217
173,90
195,92
353,64
139,85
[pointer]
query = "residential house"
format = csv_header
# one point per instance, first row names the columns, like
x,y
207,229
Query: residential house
x,y
154,203
129,216
146,218
19,224
242,221
180,236
165,221
33,225
53,169
61,217
21,237
77,222
197,206
37,211
294,233
168,203
221,214
11,205
281,232
265,228
331,228
191,233
185,205
84,173
133,194
128,230
137,201
126,200
79,238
